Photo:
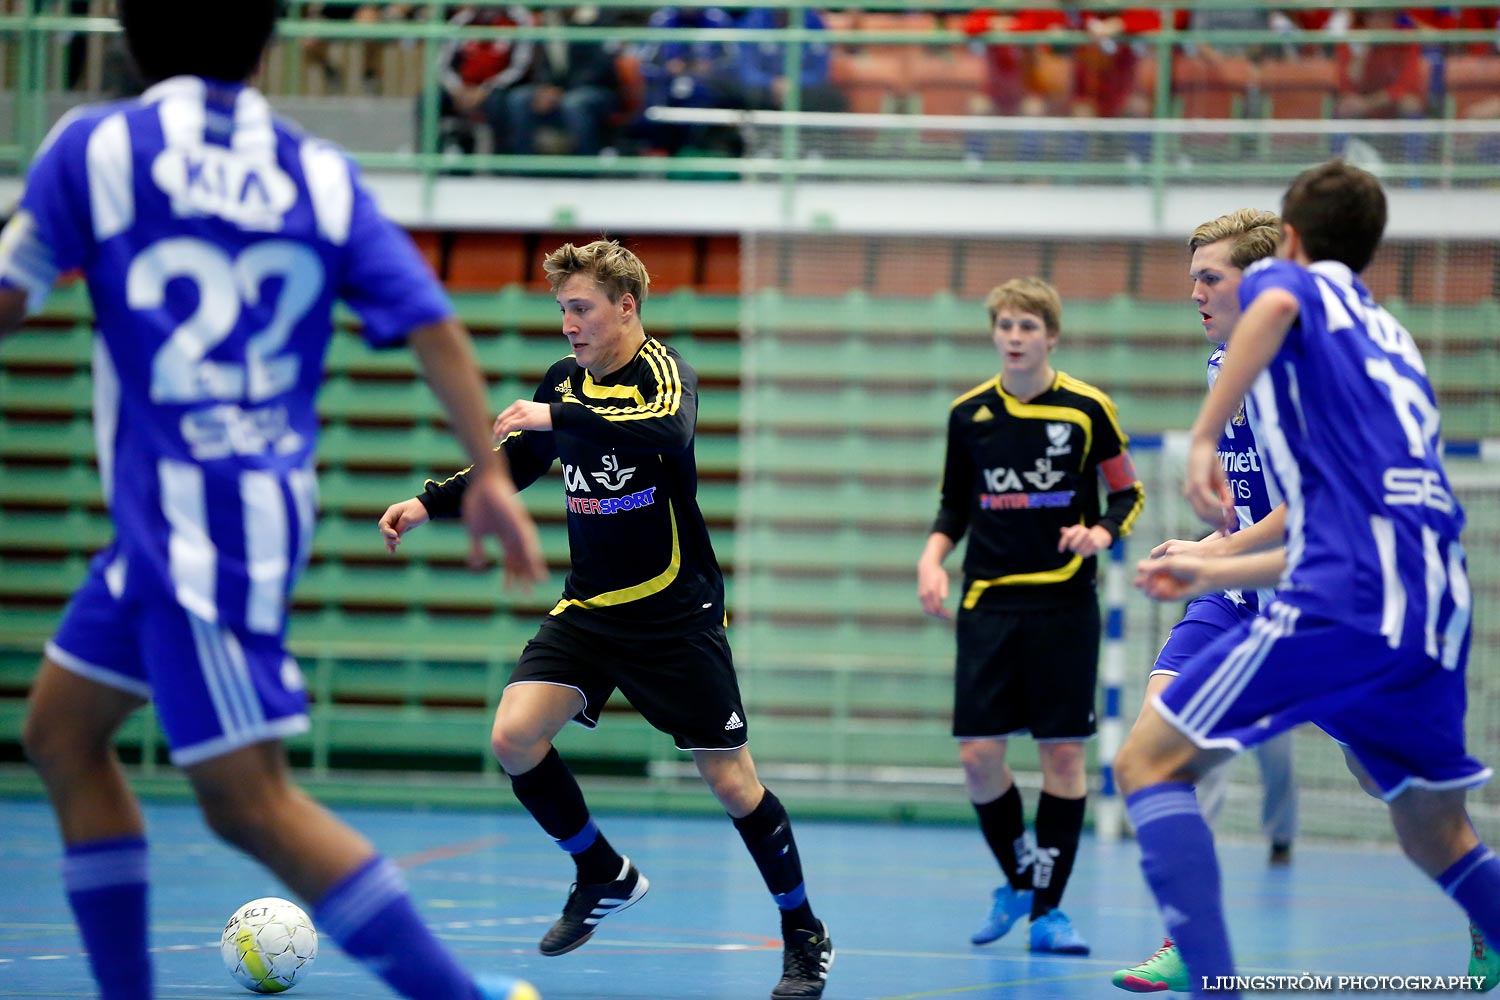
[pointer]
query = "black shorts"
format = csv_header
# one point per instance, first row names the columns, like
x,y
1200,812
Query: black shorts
x,y
683,685
1030,670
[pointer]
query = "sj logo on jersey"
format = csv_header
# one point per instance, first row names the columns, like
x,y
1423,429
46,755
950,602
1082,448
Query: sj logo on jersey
x,y
613,478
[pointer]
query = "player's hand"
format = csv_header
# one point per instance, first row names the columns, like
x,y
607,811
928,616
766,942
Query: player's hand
x,y
523,415
1206,487
932,590
1173,578
492,507
398,519
1084,541
1204,547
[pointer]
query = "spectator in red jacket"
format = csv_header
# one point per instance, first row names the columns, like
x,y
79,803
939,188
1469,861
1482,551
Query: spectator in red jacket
x,y
1385,80
478,73
1103,73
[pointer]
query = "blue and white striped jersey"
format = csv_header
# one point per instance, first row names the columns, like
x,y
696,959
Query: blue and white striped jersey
x,y
1350,425
214,239
1254,494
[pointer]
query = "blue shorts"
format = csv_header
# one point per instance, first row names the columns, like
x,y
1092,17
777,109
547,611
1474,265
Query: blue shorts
x,y
216,689
1397,710
1205,619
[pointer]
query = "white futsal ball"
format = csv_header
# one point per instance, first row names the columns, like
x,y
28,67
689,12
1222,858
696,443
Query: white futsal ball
x,y
268,945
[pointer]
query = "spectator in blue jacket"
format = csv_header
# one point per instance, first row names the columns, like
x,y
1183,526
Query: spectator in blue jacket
x,y
691,75
761,64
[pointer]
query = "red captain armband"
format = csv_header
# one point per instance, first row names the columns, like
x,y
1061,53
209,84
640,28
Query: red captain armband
x,y
1119,472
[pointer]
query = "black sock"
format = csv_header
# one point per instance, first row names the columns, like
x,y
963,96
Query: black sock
x,y
767,833
552,796
1059,823
1004,830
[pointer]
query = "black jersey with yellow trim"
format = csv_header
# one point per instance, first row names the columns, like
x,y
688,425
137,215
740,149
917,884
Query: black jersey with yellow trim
x,y
642,560
1016,473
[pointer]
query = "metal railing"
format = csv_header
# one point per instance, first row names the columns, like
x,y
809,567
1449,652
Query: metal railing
x,y
32,32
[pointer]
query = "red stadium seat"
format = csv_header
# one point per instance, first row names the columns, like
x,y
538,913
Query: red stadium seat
x,y
1299,88
1164,272
872,81
486,262
671,259
987,263
1212,88
1471,79
721,266
1091,270
1458,274
947,83
912,268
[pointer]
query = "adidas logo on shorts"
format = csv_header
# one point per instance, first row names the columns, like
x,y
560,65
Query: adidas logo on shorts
x,y
735,722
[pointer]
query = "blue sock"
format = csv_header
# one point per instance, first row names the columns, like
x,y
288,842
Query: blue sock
x,y
1474,883
1177,857
106,885
372,917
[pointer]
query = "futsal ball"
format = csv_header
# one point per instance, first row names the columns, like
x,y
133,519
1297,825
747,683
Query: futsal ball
x,y
268,945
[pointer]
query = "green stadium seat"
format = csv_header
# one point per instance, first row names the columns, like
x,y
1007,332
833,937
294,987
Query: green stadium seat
x,y
51,486
50,394
58,531
405,583
51,439
33,348
33,577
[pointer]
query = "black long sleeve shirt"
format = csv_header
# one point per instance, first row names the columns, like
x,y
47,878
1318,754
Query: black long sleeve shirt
x,y
642,561
1017,473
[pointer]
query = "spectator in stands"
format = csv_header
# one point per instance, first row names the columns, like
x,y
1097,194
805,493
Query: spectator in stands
x,y
761,65
1101,76
1381,81
478,75
1029,80
573,89
315,50
690,75
1231,19
1331,22
1104,73
1463,19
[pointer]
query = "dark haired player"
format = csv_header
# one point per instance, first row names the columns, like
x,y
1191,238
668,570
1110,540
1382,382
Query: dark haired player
x,y
215,240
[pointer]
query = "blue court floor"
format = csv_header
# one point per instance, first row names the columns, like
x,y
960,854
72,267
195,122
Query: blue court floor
x,y
900,902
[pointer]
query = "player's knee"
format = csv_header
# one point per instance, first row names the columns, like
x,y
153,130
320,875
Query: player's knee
x,y
517,750
49,743
40,742
1133,768
1063,760
981,758
246,819
229,817
738,789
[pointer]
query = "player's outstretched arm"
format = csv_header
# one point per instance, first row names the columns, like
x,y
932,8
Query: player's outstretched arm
x,y
490,503
1267,533
1183,577
1185,546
